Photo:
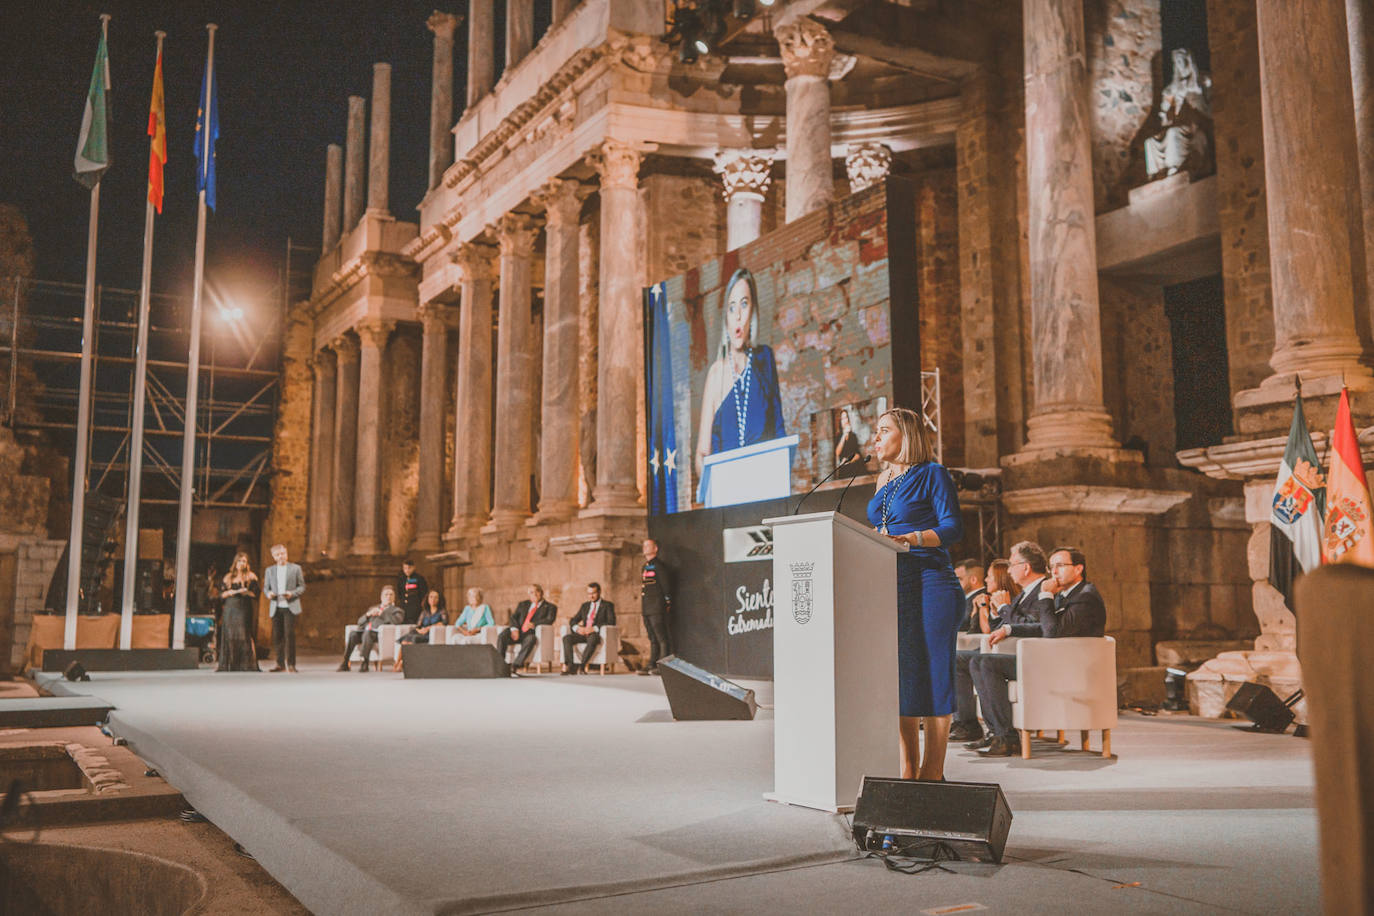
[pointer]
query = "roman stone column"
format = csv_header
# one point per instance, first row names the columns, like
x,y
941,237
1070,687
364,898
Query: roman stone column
x,y
514,375
481,49
1312,184
441,96
345,348
1359,16
810,61
355,169
333,197
472,397
620,355
322,453
1066,337
561,200
435,320
379,160
519,30
867,164
745,175
372,335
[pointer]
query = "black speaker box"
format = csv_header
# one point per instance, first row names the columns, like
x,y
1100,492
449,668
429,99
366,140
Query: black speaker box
x,y
972,819
694,693
1262,706
423,660
187,659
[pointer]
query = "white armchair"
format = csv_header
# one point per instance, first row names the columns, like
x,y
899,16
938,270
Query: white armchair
x,y
607,651
544,651
448,635
1067,683
387,634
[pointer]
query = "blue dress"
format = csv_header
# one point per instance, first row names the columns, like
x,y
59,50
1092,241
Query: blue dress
x,y
930,601
758,396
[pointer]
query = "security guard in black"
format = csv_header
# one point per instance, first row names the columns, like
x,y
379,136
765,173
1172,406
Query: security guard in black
x,y
656,597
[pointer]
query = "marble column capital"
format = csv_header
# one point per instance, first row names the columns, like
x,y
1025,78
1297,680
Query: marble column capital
x,y
322,361
561,199
345,348
515,234
744,171
373,333
867,164
443,24
809,50
436,316
617,162
475,260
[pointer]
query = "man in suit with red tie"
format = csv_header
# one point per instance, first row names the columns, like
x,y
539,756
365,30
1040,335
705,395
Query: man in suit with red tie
x,y
528,615
585,627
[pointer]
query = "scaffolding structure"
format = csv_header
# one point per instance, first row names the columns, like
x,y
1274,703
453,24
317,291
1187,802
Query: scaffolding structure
x,y
40,349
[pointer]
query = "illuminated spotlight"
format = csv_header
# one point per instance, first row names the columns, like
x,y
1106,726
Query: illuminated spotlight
x,y
701,46
767,2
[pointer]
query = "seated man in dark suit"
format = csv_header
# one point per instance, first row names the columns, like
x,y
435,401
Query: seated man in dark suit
x,y
369,625
1069,605
527,615
1027,568
585,627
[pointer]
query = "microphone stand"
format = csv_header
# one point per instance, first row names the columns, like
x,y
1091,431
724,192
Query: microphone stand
x,y
840,504
836,470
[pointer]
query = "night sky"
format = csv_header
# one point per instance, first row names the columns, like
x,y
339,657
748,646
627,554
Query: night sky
x,y
284,71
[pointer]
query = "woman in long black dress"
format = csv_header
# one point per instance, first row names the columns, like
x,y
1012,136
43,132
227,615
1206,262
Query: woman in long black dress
x,y
917,504
237,649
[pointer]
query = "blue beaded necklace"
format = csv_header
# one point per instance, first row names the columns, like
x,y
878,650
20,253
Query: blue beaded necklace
x,y
741,383
888,492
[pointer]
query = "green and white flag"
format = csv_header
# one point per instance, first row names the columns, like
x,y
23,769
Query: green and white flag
x,y
93,147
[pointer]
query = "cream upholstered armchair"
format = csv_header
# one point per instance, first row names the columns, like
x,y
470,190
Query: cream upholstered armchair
x,y
607,651
385,647
1064,684
544,647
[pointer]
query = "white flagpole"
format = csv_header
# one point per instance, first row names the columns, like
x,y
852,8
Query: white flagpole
x,y
83,416
131,510
188,440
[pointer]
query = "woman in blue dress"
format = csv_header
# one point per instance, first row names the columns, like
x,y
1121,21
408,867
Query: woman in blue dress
x,y
916,503
740,403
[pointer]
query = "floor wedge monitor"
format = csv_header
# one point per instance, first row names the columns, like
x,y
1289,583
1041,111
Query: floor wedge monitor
x,y
694,693
422,660
963,820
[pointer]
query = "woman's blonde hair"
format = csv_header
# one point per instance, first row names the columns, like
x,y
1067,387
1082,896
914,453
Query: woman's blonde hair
x,y
234,576
474,590
915,445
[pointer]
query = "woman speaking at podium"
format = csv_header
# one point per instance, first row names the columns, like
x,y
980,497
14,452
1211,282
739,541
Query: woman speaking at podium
x,y
916,503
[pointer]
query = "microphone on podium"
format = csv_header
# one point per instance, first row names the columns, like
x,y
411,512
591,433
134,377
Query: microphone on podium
x,y
863,459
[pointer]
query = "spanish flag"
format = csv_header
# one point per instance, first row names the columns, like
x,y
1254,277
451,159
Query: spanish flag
x,y
1349,535
157,130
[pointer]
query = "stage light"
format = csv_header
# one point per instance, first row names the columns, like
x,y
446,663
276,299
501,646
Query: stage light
x,y
744,9
767,2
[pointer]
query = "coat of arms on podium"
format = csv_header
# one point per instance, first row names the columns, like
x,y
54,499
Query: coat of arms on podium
x,y
802,599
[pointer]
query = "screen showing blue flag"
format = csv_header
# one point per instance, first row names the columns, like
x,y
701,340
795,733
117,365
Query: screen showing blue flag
x,y
207,112
663,452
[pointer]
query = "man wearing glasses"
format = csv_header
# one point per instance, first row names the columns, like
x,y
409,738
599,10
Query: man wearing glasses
x,y
1067,605
1027,569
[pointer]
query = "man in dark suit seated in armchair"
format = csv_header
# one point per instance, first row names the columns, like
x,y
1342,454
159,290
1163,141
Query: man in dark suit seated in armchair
x,y
1074,608
529,614
585,628
364,638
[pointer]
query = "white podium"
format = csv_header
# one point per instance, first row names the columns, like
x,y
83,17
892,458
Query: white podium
x,y
748,474
834,659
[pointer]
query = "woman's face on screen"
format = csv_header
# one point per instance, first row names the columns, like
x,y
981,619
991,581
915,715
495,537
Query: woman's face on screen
x,y
739,313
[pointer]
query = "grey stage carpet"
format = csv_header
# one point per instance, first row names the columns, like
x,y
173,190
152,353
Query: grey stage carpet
x,y
374,794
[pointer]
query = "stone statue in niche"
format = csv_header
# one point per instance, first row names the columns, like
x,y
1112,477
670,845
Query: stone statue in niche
x,y
1183,141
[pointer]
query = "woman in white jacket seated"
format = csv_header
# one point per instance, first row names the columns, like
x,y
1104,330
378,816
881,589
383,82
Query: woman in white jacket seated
x,y
467,629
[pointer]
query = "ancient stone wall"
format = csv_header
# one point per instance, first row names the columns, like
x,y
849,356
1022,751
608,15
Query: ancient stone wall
x,y
400,435
1123,46
1137,367
942,342
1239,127
291,442
685,222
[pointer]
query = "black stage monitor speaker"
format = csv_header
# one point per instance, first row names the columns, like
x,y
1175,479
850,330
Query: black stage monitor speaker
x,y
422,660
970,819
1262,706
694,693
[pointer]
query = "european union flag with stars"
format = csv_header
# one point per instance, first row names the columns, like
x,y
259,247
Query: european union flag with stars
x,y
207,133
663,451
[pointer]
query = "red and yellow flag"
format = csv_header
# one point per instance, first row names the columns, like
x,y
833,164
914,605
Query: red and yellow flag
x,y
157,130
1349,534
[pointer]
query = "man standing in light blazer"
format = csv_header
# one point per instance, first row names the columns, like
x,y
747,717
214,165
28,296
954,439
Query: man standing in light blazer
x,y
283,584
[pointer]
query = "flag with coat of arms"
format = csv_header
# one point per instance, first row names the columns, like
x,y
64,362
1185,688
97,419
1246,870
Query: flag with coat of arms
x,y
1349,531
1298,509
